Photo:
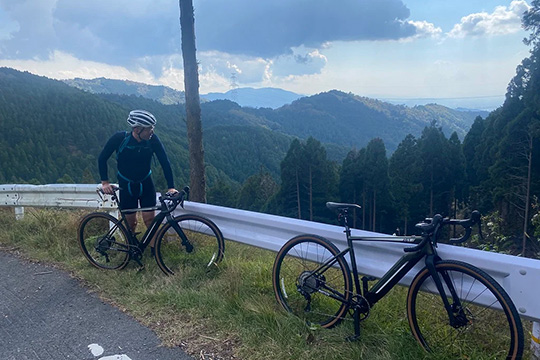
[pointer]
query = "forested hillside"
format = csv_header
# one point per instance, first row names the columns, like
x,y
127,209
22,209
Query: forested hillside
x,y
54,133
350,120
272,161
332,117
163,94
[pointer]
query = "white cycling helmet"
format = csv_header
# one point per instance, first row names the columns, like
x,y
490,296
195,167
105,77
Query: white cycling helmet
x,y
141,118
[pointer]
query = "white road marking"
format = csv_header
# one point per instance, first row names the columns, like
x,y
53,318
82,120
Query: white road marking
x,y
97,350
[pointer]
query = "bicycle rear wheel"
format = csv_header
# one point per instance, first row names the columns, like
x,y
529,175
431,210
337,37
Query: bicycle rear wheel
x,y
318,295
487,323
200,244
104,241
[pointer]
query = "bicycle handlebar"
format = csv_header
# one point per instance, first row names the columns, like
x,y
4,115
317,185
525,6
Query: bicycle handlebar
x,y
432,225
175,199
467,224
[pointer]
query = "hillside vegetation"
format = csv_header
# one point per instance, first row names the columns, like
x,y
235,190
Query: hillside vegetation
x,y
53,132
401,164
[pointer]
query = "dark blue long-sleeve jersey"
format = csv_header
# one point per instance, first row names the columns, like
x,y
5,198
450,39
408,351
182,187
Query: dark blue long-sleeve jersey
x,y
134,159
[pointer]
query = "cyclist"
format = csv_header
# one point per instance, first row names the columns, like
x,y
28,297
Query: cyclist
x,y
134,153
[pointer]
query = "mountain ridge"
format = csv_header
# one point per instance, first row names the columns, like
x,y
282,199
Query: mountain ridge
x,y
53,129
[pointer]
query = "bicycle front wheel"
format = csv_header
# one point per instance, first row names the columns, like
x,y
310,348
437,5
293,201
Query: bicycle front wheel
x,y
318,294
104,241
198,243
486,323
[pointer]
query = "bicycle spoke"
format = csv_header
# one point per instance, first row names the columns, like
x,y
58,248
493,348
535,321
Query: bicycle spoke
x,y
481,327
304,286
103,241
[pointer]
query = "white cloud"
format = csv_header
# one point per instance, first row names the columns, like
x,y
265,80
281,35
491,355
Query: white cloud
x,y
246,69
61,65
302,61
425,29
503,20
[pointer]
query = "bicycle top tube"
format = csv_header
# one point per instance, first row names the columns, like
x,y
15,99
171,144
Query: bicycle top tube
x,y
129,211
413,239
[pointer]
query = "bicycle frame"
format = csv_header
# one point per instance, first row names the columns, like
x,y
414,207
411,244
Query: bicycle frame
x,y
152,229
425,250
393,275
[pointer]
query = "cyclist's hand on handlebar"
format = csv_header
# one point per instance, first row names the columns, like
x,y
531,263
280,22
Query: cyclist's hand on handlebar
x,y
171,192
107,188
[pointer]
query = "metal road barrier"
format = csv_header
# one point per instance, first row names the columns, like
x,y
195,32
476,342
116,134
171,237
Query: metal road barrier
x,y
518,276
53,195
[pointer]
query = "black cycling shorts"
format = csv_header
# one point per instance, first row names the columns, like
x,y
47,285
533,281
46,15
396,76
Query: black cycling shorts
x,y
137,194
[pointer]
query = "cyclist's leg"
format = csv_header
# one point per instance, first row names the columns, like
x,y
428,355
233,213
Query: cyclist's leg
x,y
128,201
148,199
485,319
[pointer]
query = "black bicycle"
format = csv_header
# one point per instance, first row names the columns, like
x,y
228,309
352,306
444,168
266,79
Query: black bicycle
x,y
454,308
185,240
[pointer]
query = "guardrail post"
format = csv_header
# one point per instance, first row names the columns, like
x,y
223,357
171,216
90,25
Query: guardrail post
x,y
535,341
19,213
113,213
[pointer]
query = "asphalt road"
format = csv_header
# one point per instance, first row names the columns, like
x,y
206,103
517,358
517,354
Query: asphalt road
x,y
47,315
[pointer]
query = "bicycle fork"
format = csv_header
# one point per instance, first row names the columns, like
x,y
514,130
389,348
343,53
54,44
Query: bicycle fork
x,y
456,315
180,232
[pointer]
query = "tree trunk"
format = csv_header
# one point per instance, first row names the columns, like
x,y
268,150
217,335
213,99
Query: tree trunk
x,y
298,194
354,210
363,209
431,195
310,194
374,208
193,106
527,196
405,227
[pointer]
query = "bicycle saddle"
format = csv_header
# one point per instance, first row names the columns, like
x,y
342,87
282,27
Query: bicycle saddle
x,y
341,206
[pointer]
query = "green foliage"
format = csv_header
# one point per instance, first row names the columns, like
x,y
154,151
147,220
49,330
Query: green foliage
x,y
353,121
405,173
257,191
308,181
494,239
54,133
222,194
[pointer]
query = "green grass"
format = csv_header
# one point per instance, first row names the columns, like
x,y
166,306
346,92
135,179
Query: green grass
x,y
229,311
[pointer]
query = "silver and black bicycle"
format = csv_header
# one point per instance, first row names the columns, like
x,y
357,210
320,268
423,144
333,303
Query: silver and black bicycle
x,y
453,307
185,240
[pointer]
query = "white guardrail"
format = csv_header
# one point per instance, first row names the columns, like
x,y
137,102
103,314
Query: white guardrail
x,y
520,277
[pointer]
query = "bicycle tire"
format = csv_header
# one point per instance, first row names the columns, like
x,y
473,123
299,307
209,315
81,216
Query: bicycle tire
x,y
203,235
104,241
484,332
301,291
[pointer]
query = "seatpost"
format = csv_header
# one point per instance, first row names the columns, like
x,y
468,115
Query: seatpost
x,y
345,216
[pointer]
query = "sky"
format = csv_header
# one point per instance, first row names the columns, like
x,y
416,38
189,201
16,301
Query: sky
x,y
456,53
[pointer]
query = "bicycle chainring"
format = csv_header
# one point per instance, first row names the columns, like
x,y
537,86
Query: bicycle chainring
x,y
361,305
